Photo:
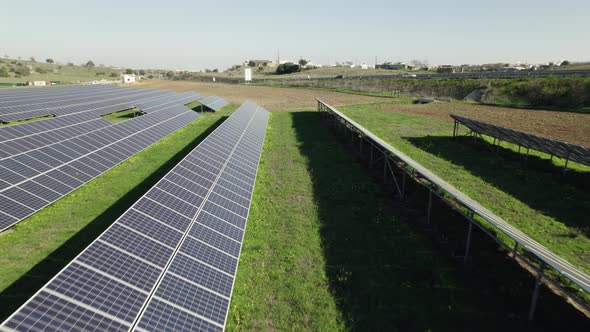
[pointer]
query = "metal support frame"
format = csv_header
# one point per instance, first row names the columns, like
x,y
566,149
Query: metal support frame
x,y
332,118
429,210
535,296
468,241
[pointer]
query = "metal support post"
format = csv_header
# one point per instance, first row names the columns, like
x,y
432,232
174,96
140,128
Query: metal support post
x,y
361,144
515,250
403,191
468,242
535,298
429,207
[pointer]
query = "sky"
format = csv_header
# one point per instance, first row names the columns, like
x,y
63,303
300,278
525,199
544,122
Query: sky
x,y
194,34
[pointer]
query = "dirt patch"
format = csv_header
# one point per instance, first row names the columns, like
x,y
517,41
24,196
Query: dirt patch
x,y
269,97
569,127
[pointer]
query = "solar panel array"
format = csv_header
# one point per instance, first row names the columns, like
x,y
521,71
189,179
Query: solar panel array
x,y
574,152
169,262
42,161
213,102
16,108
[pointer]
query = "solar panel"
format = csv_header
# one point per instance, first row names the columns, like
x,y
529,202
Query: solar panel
x,y
35,137
71,162
568,151
213,103
122,98
168,263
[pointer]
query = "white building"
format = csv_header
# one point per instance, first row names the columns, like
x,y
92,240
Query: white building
x,y
128,78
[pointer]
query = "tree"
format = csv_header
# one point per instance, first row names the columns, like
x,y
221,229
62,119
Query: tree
x,y
287,68
114,75
169,74
32,59
215,70
49,61
565,63
151,77
4,72
128,71
141,72
303,62
70,64
89,63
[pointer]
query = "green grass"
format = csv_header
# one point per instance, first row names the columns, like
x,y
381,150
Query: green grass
x,y
326,249
121,116
536,199
35,249
28,120
59,73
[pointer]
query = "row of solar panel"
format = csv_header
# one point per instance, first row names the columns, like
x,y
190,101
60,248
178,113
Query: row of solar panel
x,y
33,93
86,114
169,262
66,107
34,179
29,142
76,97
574,152
214,103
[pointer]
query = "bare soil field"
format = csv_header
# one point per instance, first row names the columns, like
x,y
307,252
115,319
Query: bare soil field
x,y
269,97
569,127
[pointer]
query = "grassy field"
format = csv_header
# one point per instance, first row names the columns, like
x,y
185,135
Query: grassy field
x,y
326,249
548,207
35,249
42,71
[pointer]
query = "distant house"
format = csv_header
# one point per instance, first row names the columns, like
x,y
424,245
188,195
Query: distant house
x,y
38,83
128,78
445,69
260,63
392,65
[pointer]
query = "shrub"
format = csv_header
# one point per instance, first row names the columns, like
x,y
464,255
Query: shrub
x,y
4,72
288,68
23,71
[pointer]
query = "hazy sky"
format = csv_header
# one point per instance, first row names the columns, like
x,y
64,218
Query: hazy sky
x,y
194,34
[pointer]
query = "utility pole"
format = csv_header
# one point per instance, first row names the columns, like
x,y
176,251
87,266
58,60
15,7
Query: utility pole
x,y
278,57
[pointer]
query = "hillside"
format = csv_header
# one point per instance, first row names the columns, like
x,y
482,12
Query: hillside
x,y
20,71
